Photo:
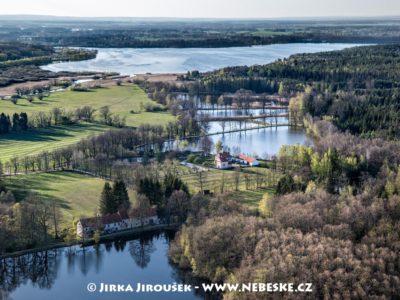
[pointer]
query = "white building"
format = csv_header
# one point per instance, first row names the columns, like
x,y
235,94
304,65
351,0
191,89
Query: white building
x,y
222,161
247,160
139,218
117,222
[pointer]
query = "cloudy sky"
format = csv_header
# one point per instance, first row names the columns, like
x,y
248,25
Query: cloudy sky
x,y
203,8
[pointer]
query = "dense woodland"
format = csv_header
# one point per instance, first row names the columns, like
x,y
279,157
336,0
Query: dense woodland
x,y
334,219
358,88
139,33
334,222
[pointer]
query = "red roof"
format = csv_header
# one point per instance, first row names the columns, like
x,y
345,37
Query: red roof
x,y
136,213
247,158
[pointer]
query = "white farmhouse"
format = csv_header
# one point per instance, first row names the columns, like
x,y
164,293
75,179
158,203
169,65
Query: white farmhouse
x,y
222,161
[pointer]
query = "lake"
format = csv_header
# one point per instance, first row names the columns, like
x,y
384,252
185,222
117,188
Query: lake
x,y
63,274
129,61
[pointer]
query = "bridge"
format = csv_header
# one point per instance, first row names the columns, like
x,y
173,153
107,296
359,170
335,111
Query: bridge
x,y
243,118
267,107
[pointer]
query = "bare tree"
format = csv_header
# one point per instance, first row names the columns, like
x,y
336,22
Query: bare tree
x,y
206,145
236,178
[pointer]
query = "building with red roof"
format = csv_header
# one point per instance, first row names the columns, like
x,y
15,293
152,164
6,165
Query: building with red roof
x,y
223,161
248,160
116,222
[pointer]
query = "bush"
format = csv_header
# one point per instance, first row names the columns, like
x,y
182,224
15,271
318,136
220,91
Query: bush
x,y
198,160
191,158
14,99
79,88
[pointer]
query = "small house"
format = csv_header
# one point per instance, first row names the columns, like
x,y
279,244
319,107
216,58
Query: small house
x,y
222,161
248,160
138,218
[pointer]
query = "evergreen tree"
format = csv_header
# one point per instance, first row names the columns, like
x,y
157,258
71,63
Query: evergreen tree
x,y
285,185
107,204
172,183
120,195
15,122
4,123
152,189
23,121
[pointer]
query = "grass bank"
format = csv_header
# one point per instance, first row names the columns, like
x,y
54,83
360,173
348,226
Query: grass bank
x,y
77,195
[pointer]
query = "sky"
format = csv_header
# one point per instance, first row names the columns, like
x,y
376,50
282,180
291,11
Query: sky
x,y
203,8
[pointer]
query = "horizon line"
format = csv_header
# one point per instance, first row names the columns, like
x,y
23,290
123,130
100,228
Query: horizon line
x,y
204,18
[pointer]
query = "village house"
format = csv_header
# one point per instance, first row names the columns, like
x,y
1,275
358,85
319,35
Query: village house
x,y
139,218
222,161
248,160
117,222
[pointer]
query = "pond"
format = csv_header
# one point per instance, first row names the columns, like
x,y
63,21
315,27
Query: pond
x,y
261,142
249,137
65,273
129,61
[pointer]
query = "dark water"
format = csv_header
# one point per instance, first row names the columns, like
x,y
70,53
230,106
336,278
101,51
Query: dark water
x,y
62,274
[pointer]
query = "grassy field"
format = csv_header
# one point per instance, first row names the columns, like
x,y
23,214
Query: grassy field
x,y
213,178
35,141
121,100
77,195
251,198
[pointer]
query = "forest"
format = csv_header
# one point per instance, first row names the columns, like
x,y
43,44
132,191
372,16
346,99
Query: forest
x,y
184,33
358,88
335,216
334,221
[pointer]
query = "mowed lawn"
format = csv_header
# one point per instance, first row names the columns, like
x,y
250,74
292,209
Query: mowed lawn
x,y
120,99
35,141
77,195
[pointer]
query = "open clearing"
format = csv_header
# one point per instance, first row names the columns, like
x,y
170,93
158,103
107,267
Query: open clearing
x,y
212,180
34,141
77,195
120,99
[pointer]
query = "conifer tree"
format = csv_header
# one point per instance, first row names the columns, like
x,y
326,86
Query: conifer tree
x,y
107,204
120,195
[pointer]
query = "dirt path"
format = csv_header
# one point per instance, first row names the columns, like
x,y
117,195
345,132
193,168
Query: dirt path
x,y
157,77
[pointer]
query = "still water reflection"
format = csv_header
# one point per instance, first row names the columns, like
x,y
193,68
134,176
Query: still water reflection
x,y
263,142
65,273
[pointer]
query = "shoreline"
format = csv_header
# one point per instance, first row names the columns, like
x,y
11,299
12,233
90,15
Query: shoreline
x,y
88,242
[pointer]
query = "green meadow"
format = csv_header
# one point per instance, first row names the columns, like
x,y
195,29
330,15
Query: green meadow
x,y
34,141
77,195
122,101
